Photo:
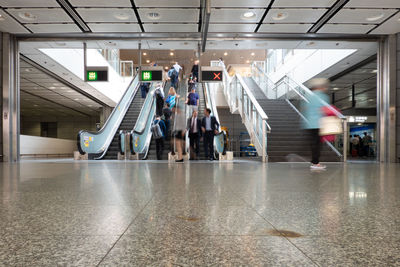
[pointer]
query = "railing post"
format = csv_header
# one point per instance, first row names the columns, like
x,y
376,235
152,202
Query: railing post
x,y
345,140
264,142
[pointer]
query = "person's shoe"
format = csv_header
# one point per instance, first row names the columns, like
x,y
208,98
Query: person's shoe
x,y
211,159
179,160
317,167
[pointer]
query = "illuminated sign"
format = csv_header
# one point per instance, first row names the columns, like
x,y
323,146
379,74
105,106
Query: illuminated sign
x,y
151,74
212,74
358,118
96,74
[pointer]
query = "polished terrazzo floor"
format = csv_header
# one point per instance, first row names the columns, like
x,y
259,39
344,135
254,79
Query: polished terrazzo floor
x,y
65,213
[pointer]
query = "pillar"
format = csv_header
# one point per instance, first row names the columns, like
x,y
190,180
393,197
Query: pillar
x,y
386,99
10,97
398,98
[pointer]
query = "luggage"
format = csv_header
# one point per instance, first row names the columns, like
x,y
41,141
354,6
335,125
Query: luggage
x,y
330,125
156,130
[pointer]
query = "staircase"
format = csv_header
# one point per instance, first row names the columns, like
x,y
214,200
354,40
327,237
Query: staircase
x,y
287,136
127,124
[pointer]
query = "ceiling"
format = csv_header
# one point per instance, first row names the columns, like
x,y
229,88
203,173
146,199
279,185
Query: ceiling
x,y
364,80
233,16
42,95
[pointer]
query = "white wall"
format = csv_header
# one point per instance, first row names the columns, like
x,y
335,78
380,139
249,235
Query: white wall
x,y
35,145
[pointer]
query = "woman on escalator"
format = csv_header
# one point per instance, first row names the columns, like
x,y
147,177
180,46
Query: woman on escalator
x,y
171,98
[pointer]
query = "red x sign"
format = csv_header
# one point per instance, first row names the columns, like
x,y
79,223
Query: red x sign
x,y
217,76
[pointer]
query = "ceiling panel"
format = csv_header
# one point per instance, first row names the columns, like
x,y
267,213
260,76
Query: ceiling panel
x,y
235,15
232,27
40,15
8,24
29,3
374,3
168,27
240,3
346,28
369,16
107,14
287,28
169,15
391,26
101,3
288,15
53,28
114,27
169,3
303,3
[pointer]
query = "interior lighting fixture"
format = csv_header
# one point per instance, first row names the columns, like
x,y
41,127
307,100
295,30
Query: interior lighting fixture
x,y
147,61
247,61
122,16
1,17
27,16
153,15
226,53
280,16
52,87
171,54
144,54
376,17
248,15
335,88
374,71
252,54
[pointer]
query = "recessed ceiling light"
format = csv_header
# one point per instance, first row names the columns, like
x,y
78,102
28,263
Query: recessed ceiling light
x,y
226,53
253,54
122,16
27,16
28,70
248,15
153,15
1,17
52,87
147,61
247,61
144,54
171,54
70,91
376,17
335,88
374,71
280,16
76,99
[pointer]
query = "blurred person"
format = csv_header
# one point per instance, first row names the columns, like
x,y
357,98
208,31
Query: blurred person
x,y
367,140
159,126
173,75
193,100
171,98
221,63
209,127
355,143
144,89
159,94
195,70
193,126
177,67
167,113
313,112
179,132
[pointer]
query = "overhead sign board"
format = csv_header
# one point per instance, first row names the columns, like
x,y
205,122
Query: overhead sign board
x,y
151,74
96,74
211,74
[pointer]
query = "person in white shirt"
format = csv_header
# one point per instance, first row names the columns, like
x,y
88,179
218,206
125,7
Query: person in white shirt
x,y
193,126
177,67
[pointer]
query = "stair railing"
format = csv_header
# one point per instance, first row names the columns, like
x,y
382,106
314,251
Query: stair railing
x,y
297,94
240,99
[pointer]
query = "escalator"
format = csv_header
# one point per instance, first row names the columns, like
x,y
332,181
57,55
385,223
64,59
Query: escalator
x,y
104,144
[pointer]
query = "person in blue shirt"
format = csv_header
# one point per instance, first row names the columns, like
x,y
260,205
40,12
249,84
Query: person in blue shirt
x,y
160,141
313,112
193,100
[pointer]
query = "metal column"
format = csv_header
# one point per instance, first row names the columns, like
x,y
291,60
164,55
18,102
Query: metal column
x,y
386,99
11,97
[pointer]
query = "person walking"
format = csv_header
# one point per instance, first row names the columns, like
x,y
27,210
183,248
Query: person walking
x,y
167,118
193,126
171,98
179,132
173,75
209,127
159,133
195,70
159,94
193,100
367,140
313,112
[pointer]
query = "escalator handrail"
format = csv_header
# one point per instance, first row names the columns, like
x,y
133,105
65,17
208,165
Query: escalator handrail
x,y
142,111
106,124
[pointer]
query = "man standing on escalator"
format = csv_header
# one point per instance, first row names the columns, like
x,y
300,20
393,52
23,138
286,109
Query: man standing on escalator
x,y
209,127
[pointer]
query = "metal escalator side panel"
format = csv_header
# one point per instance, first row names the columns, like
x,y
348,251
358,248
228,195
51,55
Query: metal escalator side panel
x,y
97,143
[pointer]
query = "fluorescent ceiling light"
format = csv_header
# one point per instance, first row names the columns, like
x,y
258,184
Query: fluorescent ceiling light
x,y
376,17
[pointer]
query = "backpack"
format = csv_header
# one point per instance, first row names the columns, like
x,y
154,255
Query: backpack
x,y
156,130
172,74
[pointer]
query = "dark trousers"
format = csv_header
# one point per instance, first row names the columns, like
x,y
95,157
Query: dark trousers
x,y
315,141
167,125
159,147
194,143
209,144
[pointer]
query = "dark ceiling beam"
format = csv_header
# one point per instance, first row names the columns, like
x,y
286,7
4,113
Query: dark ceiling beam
x,y
264,15
61,80
354,67
206,23
328,15
139,20
70,10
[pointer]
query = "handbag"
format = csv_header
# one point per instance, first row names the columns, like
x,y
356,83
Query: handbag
x,y
330,125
